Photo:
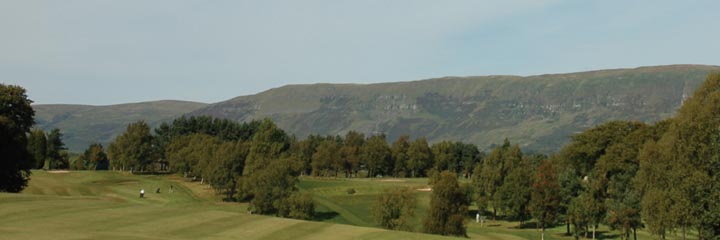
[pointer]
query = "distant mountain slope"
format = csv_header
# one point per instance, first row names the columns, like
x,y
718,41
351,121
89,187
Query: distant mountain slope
x,y
83,124
539,112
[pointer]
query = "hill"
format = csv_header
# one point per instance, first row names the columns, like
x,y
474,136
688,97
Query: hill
x,y
84,124
539,112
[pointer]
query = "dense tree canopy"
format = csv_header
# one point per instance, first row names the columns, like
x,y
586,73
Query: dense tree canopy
x,y
395,208
448,207
16,118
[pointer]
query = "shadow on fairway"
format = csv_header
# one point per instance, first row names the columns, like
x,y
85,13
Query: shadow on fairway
x,y
322,216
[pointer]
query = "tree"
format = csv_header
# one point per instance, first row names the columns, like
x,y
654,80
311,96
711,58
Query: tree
x,y
80,163
399,150
226,167
351,152
299,206
325,158
37,146
545,198
444,156
268,143
189,154
376,155
679,172
95,157
493,172
272,186
419,157
514,194
16,118
394,208
133,149
448,206
470,157
55,147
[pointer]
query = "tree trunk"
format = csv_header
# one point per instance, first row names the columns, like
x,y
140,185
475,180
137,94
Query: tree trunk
x,y
494,213
567,231
542,235
593,229
684,231
635,233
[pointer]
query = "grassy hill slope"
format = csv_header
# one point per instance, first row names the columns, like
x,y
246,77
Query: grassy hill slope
x,y
539,112
83,124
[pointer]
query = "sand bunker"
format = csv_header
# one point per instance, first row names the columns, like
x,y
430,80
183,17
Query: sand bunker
x,y
59,171
424,189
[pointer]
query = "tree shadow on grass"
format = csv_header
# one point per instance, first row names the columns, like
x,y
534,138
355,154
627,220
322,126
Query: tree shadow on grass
x,y
322,216
607,235
527,225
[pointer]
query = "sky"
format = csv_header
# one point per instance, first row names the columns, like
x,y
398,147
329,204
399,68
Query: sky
x,y
102,52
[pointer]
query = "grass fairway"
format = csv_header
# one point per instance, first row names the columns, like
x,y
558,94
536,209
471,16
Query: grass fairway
x,y
106,205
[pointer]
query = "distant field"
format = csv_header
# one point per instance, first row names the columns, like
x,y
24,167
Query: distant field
x,y
106,205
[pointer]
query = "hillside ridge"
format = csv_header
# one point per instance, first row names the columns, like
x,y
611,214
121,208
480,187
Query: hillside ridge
x,y
538,111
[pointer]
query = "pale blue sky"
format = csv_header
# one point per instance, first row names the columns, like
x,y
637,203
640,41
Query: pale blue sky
x,y
105,52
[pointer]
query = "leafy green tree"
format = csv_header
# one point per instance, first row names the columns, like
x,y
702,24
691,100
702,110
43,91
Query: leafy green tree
x,y
189,154
399,151
394,208
420,157
678,173
268,143
586,148
578,214
491,177
303,150
37,146
545,197
448,206
96,158
444,155
299,206
133,149
226,167
272,186
351,152
470,157
377,156
514,194
55,147
80,163
324,159
16,118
